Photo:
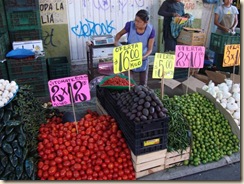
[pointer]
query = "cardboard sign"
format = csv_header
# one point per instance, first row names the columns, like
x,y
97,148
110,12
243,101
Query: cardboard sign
x,y
163,63
127,57
189,56
232,55
60,90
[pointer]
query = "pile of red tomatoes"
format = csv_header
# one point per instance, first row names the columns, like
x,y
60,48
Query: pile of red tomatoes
x,y
91,149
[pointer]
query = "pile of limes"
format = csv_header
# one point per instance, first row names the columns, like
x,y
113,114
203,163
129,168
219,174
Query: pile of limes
x,y
212,134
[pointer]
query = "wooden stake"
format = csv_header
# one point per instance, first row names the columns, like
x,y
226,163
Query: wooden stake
x,y
162,84
73,108
187,80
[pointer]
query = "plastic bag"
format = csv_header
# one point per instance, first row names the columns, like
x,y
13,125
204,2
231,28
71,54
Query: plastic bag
x,y
20,53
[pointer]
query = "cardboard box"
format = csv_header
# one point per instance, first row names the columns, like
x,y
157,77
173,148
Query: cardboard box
x,y
191,37
219,77
33,45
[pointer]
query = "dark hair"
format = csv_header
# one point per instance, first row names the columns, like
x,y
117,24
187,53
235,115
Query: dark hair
x,y
143,14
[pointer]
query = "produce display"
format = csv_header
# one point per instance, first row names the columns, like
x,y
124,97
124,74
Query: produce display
x,y
228,95
179,130
116,80
20,120
7,91
212,134
140,104
97,152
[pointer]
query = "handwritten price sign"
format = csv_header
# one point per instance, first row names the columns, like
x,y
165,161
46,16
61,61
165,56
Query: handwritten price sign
x,y
231,55
127,57
163,63
189,56
60,90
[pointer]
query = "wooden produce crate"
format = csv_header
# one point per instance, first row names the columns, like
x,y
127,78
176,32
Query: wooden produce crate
x,y
176,158
149,163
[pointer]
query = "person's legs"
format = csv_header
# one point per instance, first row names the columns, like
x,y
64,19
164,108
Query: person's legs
x,y
143,77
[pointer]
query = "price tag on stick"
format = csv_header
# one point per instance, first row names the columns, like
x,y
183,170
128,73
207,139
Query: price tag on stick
x,y
61,95
162,84
163,65
189,56
231,55
127,57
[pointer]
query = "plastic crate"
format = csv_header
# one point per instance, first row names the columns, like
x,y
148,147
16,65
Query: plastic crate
x,y
218,62
25,35
38,83
3,71
4,45
26,68
143,132
180,73
21,5
58,67
100,95
218,41
3,21
23,20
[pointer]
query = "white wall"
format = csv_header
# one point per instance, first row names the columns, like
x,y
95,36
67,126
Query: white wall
x,y
98,17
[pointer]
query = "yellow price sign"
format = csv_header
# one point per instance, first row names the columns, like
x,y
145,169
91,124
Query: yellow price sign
x,y
231,55
163,62
127,57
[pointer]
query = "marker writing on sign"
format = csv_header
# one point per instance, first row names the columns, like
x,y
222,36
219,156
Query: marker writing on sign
x,y
232,55
189,56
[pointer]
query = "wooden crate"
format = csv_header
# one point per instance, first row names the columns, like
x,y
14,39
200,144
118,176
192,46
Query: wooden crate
x,y
149,163
176,158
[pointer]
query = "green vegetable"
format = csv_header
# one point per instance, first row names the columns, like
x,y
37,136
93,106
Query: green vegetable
x,y
7,148
29,166
14,160
18,171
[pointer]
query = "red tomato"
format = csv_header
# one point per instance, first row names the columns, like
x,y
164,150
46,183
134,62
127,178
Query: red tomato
x,y
52,170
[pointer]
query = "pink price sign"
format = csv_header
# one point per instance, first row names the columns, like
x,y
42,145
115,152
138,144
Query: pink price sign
x,y
61,90
189,56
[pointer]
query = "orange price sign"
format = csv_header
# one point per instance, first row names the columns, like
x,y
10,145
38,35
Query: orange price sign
x,y
231,55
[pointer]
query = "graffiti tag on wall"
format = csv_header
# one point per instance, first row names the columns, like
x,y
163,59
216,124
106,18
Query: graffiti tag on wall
x,y
90,28
53,12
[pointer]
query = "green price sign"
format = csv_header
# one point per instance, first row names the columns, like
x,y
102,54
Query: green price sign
x,y
163,63
127,57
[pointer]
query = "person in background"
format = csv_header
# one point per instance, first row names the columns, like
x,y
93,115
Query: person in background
x,y
226,17
169,9
139,30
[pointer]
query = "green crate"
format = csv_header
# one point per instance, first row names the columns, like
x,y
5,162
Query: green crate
x,y
22,5
218,41
23,20
58,67
4,45
3,71
25,35
38,83
3,21
19,68
180,73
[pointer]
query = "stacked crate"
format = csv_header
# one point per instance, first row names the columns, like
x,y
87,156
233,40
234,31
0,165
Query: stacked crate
x,y
217,44
23,19
32,72
4,42
24,24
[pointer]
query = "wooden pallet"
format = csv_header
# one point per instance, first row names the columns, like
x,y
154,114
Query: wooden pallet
x,y
176,158
149,163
